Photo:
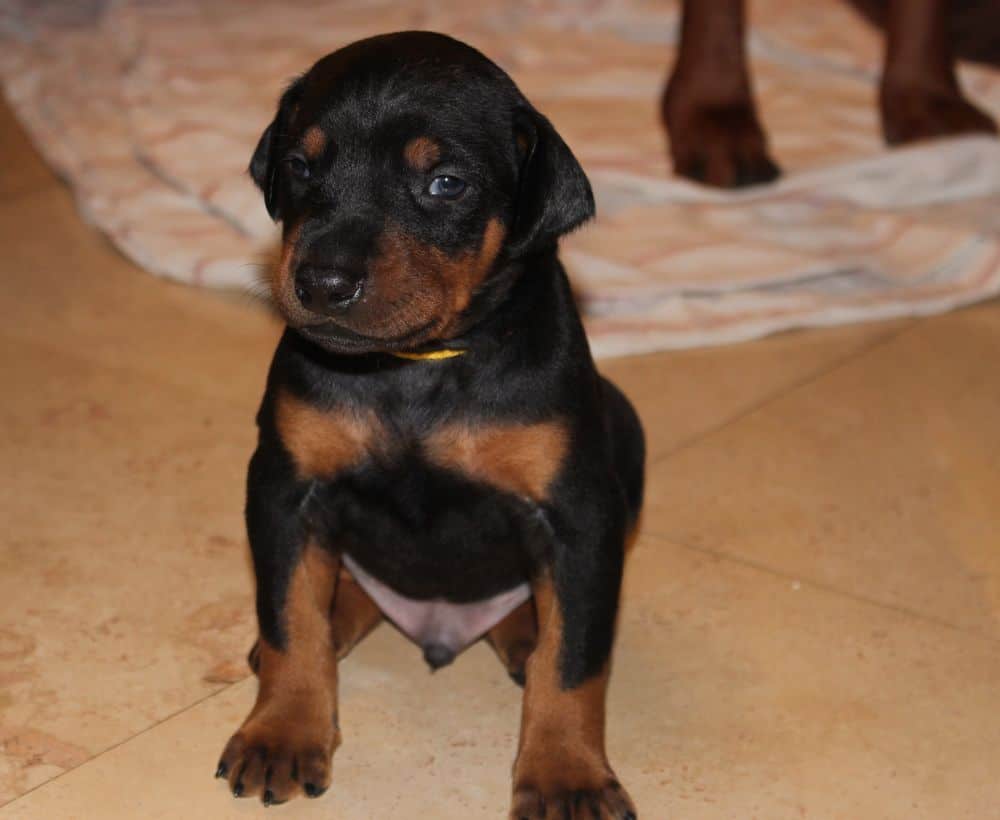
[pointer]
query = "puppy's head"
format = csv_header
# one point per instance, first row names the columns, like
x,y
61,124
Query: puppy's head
x,y
407,170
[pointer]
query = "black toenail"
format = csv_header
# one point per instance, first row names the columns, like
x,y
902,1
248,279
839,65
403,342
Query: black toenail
x,y
268,797
238,790
312,790
221,771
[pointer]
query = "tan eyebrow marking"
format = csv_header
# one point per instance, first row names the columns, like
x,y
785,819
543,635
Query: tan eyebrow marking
x,y
421,153
314,141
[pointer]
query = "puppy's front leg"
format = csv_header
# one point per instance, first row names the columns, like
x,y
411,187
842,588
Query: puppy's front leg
x,y
285,746
562,768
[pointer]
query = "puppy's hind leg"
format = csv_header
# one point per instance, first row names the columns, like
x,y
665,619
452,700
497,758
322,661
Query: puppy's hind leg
x,y
514,639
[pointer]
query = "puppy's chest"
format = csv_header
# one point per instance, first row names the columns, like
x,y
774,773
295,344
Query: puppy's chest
x,y
438,524
518,458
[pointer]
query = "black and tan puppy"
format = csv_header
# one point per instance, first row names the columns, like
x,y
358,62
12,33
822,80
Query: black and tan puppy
x,y
436,447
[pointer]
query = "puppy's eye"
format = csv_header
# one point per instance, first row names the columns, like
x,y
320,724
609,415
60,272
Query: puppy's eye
x,y
297,167
446,187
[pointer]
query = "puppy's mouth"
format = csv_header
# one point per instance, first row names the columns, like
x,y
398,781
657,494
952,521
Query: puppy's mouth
x,y
339,339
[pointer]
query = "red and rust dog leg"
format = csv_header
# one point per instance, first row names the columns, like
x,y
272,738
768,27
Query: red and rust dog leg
x,y
920,97
708,107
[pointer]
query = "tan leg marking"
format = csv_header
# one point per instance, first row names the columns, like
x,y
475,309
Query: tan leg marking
x,y
354,616
285,745
562,769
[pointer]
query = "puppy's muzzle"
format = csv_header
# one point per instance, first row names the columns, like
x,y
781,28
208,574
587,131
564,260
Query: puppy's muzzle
x,y
328,291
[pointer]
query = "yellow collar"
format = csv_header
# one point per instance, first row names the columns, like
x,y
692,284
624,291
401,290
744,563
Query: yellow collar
x,y
444,353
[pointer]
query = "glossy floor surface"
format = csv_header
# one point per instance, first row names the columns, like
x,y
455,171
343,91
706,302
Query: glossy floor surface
x,y
811,624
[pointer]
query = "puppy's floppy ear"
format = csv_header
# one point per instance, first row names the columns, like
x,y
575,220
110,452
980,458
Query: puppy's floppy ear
x,y
267,155
554,194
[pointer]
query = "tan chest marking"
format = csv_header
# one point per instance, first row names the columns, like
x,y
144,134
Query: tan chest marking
x,y
522,459
517,458
323,443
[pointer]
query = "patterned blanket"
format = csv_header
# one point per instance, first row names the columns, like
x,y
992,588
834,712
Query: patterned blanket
x,y
150,110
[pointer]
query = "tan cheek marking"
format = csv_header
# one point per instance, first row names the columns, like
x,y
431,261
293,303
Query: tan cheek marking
x,y
421,153
493,238
467,272
403,261
519,459
432,284
323,443
282,274
314,141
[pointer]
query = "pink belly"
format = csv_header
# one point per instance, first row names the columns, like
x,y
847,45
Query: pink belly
x,y
441,628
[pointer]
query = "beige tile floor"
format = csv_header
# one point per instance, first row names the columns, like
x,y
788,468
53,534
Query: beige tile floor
x,y
812,615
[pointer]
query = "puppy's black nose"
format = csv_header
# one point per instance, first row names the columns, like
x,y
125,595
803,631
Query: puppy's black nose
x,y
327,290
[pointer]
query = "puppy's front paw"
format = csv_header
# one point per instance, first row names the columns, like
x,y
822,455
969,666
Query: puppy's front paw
x,y
278,758
569,791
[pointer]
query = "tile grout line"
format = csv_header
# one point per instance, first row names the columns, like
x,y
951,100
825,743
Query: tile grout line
x,y
822,587
785,390
123,741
